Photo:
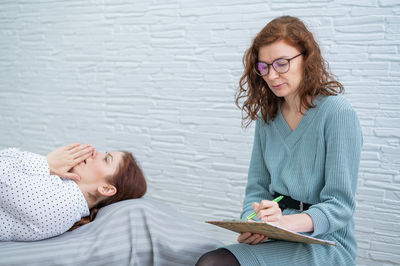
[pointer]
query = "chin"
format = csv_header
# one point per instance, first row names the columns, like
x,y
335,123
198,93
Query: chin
x,y
280,93
74,171
283,93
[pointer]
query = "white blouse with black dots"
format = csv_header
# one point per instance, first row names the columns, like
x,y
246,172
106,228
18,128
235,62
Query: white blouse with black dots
x,y
35,205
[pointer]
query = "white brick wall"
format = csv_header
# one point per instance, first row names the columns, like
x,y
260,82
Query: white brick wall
x,y
158,78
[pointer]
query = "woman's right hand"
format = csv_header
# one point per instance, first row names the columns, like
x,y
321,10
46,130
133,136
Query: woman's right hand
x,y
63,159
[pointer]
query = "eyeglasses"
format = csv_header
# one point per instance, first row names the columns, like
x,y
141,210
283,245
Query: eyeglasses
x,y
281,65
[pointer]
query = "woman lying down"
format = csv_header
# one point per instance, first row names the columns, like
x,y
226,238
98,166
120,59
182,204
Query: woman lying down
x,y
45,196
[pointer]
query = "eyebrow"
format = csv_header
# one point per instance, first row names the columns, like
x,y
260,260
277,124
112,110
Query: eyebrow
x,y
282,57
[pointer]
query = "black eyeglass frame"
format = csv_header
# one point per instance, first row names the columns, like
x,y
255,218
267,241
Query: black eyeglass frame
x,y
272,64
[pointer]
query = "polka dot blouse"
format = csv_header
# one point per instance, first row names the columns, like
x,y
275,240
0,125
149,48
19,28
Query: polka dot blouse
x,y
35,205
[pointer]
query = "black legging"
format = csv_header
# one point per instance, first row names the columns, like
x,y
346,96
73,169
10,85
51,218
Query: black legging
x,y
218,257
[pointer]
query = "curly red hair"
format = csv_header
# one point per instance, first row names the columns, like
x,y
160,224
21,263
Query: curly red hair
x,y
258,97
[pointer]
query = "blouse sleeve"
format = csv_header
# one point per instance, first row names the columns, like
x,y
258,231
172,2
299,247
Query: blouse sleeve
x,y
258,175
343,142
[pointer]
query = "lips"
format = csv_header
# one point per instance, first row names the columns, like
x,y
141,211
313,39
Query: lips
x,y
278,85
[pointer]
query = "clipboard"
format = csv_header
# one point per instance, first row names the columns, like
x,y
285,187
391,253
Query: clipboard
x,y
270,230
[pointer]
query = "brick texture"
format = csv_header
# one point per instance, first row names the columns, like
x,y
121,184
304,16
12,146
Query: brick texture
x,y
158,78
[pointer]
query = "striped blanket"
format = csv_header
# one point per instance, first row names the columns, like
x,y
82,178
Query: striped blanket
x,y
132,232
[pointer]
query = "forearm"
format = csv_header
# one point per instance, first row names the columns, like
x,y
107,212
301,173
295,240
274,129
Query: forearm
x,y
301,222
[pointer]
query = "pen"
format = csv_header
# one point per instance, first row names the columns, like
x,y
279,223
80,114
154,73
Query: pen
x,y
254,213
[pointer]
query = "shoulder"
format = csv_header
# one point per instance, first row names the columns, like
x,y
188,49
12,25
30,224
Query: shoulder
x,y
334,107
338,117
332,103
10,152
67,206
21,155
263,128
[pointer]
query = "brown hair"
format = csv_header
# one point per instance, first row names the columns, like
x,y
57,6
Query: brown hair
x,y
129,182
316,80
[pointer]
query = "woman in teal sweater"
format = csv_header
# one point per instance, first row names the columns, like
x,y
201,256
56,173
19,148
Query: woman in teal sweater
x,y
307,147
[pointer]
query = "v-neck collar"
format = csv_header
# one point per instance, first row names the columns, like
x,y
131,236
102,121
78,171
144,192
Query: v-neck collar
x,y
291,137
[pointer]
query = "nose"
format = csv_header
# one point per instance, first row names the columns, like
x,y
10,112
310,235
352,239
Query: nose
x,y
272,74
96,154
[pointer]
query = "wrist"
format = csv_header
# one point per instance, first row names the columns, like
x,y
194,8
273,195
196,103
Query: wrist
x,y
49,167
301,222
285,223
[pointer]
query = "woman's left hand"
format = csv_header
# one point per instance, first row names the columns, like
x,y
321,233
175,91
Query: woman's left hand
x,y
63,159
269,211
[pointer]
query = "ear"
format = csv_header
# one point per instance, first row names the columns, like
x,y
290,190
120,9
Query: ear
x,y
107,190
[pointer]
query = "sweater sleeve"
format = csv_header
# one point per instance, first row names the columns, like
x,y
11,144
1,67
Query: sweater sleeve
x,y
343,142
258,175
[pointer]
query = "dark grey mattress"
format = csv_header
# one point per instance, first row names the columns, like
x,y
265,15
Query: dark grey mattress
x,y
133,232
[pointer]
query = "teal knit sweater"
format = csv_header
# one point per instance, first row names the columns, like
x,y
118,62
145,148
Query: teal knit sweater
x,y
316,163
